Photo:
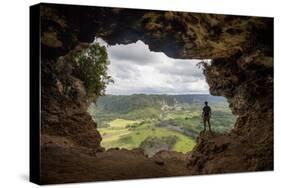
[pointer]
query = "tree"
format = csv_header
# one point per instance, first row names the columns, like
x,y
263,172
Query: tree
x,y
90,66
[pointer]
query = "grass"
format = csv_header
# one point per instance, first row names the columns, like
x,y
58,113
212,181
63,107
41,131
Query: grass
x,y
118,135
121,123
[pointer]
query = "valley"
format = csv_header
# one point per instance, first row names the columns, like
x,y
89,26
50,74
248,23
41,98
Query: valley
x,y
157,122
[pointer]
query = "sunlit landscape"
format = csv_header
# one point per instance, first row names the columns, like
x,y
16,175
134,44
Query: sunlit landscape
x,y
157,122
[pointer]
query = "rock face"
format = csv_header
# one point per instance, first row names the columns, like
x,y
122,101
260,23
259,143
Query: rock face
x,y
177,34
247,82
242,70
64,107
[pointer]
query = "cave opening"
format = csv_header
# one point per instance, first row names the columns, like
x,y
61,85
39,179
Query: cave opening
x,y
241,49
155,102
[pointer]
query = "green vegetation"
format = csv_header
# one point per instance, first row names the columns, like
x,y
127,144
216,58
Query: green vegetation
x,y
90,66
121,123
157,122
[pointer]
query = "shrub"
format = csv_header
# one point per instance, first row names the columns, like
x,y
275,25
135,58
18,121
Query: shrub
x,y
90,66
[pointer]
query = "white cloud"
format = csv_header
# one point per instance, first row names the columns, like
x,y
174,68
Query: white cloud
x,y
135,69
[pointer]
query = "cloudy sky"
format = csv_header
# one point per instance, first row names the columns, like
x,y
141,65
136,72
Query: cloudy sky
x,y
135,69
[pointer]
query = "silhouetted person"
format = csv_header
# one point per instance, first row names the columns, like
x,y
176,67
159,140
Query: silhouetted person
x,y
206,115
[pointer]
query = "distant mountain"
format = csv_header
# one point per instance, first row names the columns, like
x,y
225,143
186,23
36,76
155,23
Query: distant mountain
x,y
198,98
128,103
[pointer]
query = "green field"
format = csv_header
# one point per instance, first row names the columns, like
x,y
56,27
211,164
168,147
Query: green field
x,y
121,134
156,123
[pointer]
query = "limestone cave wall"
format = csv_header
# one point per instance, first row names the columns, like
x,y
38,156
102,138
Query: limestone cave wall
x,y
241,49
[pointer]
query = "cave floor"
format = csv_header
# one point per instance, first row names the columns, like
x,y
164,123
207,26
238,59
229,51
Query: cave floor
x,y
65,165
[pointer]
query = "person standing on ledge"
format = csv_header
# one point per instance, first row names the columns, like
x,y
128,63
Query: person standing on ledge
x,y
206,115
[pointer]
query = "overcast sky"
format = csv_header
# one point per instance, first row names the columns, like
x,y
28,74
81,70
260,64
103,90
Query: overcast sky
x,y
135,69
